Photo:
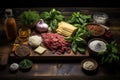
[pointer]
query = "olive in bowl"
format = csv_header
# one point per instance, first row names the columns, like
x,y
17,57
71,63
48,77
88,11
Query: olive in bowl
x,y
25,65
89,66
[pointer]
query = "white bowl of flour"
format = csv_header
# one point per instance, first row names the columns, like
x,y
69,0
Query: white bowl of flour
x,y
97,45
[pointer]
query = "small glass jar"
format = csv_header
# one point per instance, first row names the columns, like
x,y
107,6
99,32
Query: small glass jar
x,y
100,17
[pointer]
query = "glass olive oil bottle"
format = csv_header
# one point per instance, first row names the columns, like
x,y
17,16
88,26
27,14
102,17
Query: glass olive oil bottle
x,y
10,27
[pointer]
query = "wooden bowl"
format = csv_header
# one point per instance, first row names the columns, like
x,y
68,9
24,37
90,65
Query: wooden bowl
x,y
89,65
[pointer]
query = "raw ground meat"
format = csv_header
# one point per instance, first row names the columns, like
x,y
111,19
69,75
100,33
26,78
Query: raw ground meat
x,y
56,43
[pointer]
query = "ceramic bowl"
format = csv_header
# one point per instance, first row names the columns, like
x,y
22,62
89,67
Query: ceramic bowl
x,y
100,17
25,65
96,29
89,66
96,45
22,51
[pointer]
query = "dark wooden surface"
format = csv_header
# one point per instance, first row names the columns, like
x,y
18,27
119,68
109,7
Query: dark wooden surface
x,y
60,70
57,3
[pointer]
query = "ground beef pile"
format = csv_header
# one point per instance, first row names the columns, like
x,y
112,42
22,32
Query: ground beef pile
x,y
56,43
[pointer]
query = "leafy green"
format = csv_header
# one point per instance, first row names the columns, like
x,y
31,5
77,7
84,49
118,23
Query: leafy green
x,y
78,19
82,50
52,18
111,55
78,40
29,17
45,15
26,63
74,46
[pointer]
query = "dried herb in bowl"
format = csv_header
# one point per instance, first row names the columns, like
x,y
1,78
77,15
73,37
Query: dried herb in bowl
x,y
26,64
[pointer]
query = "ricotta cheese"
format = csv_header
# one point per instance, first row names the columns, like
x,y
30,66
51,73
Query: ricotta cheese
x,y
35,41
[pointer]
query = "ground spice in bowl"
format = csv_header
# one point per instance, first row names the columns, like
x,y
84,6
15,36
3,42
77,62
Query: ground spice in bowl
x,y
96,29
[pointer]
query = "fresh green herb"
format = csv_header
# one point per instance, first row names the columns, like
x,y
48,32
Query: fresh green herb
x,y
29,17
78,40
26,63
111,55
52,18
78,19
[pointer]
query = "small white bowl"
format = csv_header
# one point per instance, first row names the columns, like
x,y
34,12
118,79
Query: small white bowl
x,y
100,17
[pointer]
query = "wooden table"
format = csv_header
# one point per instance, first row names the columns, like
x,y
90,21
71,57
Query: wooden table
x,y
51,69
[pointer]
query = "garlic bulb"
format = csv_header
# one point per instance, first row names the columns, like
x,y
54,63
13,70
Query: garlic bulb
x,y
41,26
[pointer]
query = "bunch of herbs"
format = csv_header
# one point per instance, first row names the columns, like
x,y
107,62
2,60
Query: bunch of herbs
x,y
78,40
29,17
111,55
52,18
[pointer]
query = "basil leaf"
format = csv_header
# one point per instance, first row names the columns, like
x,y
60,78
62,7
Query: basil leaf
x,y
69,39
44,15
74,46
114,49
82,50
81,20
53,25
59,17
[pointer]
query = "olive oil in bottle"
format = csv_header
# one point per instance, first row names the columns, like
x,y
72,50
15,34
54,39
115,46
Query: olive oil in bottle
x,y
10,27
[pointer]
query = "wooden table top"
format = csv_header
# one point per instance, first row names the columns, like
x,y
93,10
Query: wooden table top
x,y
58,70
